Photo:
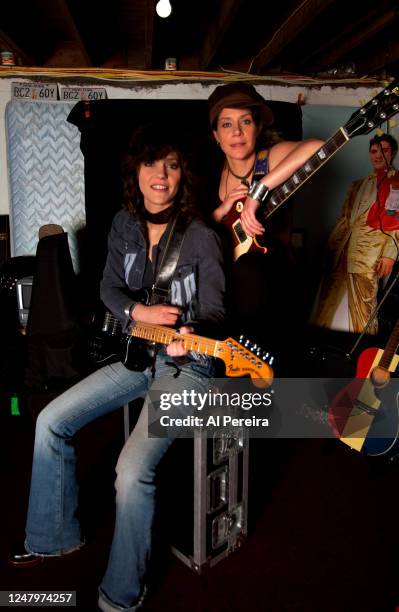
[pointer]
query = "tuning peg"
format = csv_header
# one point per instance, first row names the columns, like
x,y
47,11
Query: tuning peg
x,y
247,343
254,347
241,338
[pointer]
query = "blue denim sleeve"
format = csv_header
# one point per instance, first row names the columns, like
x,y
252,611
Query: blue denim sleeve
x,y
211,284
114,291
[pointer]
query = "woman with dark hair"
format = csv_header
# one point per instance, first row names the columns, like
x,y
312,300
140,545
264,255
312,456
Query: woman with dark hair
x,y
144,147
158,198
262,287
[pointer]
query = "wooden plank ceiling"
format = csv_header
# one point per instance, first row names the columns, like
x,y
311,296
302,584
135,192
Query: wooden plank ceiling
x,y
309,37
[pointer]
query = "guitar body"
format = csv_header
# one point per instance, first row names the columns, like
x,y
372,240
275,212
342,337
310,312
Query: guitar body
x,y
108,344
241,243
364,415
383,437
134,353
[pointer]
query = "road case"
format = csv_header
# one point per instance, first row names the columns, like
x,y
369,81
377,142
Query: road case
x,y
210,505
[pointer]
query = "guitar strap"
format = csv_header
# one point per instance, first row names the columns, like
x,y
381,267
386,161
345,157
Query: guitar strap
x,y
167,266
261,165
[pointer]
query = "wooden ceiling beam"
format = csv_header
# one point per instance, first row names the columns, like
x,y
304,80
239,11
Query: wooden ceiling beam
x,y
387,54
66,15
217,31
64,34
134,31
349,41
314,56
149,34
299,19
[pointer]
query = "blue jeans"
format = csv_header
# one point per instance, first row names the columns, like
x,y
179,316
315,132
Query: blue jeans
x,y
52,527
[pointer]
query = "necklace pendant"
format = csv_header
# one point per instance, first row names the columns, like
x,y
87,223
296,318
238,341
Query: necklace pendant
x,y
245,182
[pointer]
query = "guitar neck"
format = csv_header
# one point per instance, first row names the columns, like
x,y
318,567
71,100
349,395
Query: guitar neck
x,y
305,172
166,335
391,347
238,360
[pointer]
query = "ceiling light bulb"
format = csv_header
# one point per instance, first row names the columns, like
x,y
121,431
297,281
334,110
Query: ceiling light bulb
x,y
163,8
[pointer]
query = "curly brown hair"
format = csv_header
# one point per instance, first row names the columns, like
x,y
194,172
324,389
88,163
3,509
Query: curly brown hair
x,y
151,143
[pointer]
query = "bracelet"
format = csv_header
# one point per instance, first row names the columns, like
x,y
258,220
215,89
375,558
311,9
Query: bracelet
x,y
129,309
258,191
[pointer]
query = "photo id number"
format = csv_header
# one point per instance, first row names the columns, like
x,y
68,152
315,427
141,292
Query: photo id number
x,y
37,598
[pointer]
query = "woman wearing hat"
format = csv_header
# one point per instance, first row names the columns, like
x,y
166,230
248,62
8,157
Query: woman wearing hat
x,y
261,285
239,116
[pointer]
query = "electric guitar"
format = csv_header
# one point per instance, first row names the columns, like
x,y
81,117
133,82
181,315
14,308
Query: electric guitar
x,y
364,415
240,357
371,115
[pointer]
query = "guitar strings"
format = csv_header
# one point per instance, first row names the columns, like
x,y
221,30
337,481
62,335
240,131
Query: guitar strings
x,y
160,332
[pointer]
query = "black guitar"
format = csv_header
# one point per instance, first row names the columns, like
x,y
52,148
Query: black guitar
x,y
135,349
107,342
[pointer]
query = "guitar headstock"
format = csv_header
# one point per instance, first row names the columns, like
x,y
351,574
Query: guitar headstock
x,y
379,109
246,358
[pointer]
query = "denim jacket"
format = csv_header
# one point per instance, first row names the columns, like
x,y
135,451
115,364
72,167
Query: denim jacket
x,y
198,283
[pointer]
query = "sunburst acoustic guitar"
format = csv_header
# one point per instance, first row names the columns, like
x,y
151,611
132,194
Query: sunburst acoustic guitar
x,y
364,415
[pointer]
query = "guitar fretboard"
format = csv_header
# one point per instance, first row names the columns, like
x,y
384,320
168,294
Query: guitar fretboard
x,y
391,347
165,335
318,159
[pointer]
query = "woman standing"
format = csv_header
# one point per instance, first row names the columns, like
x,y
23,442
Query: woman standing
x,y
262,284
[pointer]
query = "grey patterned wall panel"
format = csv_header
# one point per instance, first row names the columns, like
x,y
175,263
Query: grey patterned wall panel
x,y
45,172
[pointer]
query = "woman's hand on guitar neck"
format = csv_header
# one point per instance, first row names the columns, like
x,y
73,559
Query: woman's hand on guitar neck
x,y
176,348
236,194
158,314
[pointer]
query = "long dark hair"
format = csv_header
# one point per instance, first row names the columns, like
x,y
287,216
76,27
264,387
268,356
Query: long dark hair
x,y
151,143
267,137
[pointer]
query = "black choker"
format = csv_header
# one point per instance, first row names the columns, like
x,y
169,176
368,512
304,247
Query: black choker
x,y
159,218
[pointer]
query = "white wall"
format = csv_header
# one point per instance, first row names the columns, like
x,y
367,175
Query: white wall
x,y
324,95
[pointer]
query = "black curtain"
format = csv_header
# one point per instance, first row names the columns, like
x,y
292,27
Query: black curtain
x,y
106,126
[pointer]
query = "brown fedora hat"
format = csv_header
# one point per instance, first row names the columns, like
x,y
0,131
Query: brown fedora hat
x,y
237,95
